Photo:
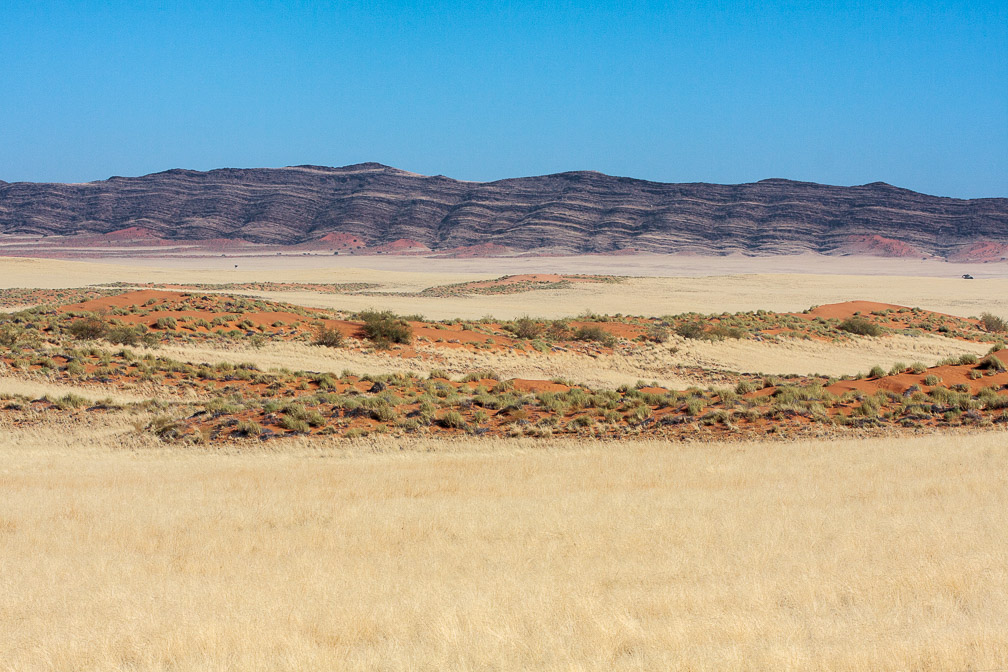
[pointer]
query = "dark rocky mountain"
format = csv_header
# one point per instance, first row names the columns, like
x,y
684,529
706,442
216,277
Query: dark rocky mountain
x,y
577,212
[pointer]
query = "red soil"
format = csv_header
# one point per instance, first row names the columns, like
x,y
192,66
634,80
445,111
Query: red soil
x,y
841,311
982,251
875,245
525,385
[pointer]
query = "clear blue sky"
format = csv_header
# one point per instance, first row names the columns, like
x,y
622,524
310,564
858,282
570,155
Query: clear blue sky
x,y
911,93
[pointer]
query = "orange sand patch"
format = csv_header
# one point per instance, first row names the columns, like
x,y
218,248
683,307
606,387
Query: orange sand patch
x,y
842,311
126,300
525,385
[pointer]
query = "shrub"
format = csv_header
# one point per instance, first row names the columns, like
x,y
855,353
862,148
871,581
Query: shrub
x,y
897,368
993,323
329,337
525,327
89,328
123,334
691,330
657,333
384,328
876,372
860,326
594,333
931,379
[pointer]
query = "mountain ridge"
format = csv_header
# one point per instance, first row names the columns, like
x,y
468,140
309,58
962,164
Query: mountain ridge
x,y
571,212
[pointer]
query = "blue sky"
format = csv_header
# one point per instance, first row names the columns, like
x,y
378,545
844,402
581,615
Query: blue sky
x,y
911,93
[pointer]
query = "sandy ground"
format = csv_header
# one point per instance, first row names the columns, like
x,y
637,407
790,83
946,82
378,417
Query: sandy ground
x,y
694,284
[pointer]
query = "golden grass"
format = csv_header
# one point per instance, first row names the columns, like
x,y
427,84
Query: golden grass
x,y
852,555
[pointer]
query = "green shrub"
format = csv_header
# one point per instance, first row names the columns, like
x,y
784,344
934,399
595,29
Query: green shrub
x,y
594,333
993,323
384,328
691,330
89,328
932,379
525,327
876,372
329,337
124,334
860,326
657,333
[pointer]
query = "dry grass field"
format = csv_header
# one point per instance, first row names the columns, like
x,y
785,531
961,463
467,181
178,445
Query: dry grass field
x,y
409,552
880,554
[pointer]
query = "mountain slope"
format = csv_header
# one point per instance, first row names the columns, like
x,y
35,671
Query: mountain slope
x,y
573,212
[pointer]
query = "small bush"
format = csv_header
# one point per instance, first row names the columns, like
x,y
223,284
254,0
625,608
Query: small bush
x,y
932,379
88,329
384,328
993,324
860,326
691,330
657,333
329,337
594,333
525,327
876,372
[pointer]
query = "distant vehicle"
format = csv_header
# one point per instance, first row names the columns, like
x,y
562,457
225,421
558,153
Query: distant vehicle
x,y
967,276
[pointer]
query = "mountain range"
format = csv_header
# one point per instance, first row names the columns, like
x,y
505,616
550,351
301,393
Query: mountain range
x,y
375,207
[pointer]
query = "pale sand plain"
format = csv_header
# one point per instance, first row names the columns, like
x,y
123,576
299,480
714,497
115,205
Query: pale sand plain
x,y
660,286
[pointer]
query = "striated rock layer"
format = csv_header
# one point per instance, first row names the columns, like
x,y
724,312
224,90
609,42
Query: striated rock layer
x,y
579,212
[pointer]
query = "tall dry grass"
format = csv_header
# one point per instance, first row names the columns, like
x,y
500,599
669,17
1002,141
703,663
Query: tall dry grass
x,y
878,554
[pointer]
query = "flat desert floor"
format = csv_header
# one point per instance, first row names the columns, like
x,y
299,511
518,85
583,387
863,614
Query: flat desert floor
x,y
120,552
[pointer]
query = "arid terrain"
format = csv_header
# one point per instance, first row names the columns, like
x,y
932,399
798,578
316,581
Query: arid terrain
x,y
373,209
575,463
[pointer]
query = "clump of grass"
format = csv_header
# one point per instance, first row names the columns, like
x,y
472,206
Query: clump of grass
x,y
248,428
932,379
452,420
876,372
294,424
166,323
990,362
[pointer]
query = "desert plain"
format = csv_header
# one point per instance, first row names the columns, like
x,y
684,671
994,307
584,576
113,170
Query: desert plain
x,y
635,462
